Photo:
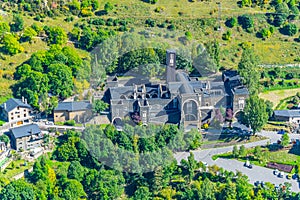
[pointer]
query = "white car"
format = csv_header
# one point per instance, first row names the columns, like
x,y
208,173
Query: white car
x,y
49,123
276,171
281,174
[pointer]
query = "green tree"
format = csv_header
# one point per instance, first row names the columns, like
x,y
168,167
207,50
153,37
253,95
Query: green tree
x,y
75,171
4,138
32,87
248,69
60,80
231,22
213,49
243,188
207,190
4,28
246,21
190,165
258,152
242,151
99,106
23,71
290,29
17,23
235,151
28,34
264,33
281,14
11,45
193,138
108,7
229,192
56,35
142,193
255,113
18,190
285,140
72,189
269,108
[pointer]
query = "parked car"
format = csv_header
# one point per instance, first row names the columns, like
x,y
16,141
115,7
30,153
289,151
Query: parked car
x,y
256,183
289,176
49,123
281,174
247,164
262,184
275,172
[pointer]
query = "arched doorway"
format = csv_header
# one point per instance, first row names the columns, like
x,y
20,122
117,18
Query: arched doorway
x,y
190,110
238,115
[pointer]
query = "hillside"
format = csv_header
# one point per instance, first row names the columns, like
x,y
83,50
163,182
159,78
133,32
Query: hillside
x,y
166,22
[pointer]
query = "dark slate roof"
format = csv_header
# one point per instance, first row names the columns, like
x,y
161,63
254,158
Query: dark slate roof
x,y
287,113
116,92
12,103
230,73
25,130
73,106
241,90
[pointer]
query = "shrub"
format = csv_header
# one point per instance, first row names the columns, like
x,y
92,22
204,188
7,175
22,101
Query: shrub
x,y
108,7
70,123
227,35
172,27
231,22
289,29
159,9
97,21
188,35
246,21
150,22
264,33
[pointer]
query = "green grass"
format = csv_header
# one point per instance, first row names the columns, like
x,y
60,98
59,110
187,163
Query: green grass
x,y
281,157
185,15
11,172
278,95
3,161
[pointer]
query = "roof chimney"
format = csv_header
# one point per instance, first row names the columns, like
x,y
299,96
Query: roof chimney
x,y
4,106
23,99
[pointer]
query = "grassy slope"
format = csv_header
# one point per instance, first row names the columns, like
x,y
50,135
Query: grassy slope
x,y
276,95
9,63
274,50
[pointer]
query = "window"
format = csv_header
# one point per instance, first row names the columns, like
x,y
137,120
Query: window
x,y
241,103
217,93
144,114
189,107
18,116
12,118
175,103
24,115
206,104
171,59
24,110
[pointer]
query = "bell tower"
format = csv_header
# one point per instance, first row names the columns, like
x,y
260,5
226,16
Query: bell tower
x,y
171,65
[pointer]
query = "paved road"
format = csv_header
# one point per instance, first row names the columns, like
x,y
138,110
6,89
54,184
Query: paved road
x,y
256,174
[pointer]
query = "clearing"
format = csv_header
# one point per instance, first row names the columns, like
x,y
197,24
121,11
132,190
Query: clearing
x,y
277,95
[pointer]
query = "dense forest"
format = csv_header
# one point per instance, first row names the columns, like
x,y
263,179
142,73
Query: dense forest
x,y
71,172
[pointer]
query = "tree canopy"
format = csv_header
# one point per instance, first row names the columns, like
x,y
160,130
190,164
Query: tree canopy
x,y
255,113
